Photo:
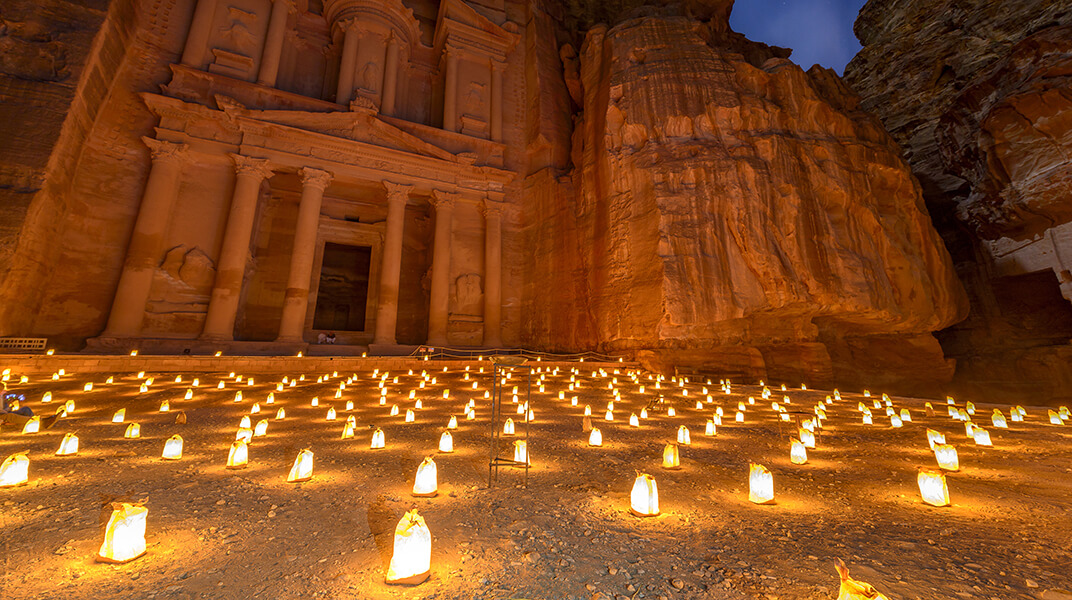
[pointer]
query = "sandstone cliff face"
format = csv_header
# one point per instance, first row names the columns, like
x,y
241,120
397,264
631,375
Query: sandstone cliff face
x,y
44,50
1008,135
740,213
64,260
979,94
686,197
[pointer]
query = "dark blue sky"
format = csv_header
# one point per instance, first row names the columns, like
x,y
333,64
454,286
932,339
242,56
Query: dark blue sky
x,y
818,31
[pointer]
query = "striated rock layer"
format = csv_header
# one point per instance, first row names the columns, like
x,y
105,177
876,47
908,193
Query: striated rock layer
x,y
666,190
979,94
734,213
56,58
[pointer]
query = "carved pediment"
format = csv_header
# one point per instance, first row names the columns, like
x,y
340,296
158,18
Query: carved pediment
x,y
380,15
359,125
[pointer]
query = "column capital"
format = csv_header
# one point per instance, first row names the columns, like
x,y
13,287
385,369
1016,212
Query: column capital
x,y
161,150
316,178
348,25
397,191
492,207
247,165
290,5
442,200
497,65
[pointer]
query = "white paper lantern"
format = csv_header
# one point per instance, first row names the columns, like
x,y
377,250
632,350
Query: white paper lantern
x,y
760,484
644,498
173,448
426,483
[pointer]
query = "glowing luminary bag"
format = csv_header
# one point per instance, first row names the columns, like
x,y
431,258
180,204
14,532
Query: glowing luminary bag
x,y
124,533
412,557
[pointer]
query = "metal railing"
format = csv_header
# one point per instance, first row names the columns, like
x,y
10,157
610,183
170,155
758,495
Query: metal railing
x,y
499,442
21,343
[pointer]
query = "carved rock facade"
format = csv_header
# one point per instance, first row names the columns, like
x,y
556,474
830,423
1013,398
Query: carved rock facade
x,y
670,191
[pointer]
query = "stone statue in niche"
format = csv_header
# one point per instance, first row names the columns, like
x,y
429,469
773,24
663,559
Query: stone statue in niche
x,y
468,297
183,281
238,34
370,76
474,100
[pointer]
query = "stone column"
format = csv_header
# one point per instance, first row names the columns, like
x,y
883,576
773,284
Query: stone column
x,y
296,300
493,271
496,100
440,293
450,92
347,63
387,304
273,43
390,77
147,241
231,267
193,53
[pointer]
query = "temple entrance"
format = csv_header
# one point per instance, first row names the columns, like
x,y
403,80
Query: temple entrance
x,y
344,285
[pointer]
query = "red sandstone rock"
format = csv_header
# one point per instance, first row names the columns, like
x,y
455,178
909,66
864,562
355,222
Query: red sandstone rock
x,y
720,202
671,190
978,94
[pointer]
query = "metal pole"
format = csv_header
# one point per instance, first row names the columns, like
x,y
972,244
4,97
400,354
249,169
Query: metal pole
x,y
528,409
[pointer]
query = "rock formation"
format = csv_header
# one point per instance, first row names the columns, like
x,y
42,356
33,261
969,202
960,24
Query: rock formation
x,y
728,211
44,113
658,185
979,94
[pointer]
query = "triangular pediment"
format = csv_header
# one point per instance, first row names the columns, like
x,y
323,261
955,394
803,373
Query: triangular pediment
x,y
359,125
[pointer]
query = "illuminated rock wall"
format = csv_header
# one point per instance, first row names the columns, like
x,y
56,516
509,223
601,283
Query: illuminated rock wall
x,y
728,207
669,190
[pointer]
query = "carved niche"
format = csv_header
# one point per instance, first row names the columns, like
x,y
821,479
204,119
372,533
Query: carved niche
x,y
239,30
468,296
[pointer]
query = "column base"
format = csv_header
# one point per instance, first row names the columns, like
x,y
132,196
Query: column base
x,y
111,344
191,347
376,349
290,340
384,341
215,338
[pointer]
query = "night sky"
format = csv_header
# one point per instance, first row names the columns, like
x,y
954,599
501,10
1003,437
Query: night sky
x,y
818,31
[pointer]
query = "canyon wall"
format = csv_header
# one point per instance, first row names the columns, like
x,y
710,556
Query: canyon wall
x,y
979,95
684,196
729,212
57,62
61,255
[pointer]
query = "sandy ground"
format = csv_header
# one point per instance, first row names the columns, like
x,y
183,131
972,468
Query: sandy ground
x,y
218,533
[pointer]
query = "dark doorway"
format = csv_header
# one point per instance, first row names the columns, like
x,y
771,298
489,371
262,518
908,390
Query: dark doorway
x,y
343,291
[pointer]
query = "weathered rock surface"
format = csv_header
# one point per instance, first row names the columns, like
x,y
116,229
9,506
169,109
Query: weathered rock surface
x,y
682,194
44,49
722,197
979,94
